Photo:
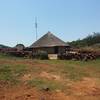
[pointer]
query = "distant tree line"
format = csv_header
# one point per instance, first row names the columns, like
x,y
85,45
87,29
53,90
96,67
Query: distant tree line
x,y
88,41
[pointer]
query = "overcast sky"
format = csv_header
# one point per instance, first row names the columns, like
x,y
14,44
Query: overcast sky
x,y
67,19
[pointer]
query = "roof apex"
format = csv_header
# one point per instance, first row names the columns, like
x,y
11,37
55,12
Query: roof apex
x,y
49,40
49,32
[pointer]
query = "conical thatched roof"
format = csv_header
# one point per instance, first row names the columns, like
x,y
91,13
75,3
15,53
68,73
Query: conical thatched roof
x,y
48,40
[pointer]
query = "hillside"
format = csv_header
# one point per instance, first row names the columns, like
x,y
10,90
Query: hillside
x,y
90,40
3,46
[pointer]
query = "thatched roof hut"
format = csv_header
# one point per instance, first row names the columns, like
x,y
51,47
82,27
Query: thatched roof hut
x,y
49,40
49,43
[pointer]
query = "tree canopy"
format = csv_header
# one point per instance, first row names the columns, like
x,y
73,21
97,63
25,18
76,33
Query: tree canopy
x,y
87,41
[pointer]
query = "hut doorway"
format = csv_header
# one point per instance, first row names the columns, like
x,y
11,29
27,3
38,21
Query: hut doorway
x,y
56,50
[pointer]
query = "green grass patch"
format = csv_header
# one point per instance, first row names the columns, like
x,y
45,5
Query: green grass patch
x,y
19,69
74,70
8,56
12,73
66,69
7,75
42,83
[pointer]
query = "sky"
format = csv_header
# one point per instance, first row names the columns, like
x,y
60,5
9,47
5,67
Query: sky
x,y
67,19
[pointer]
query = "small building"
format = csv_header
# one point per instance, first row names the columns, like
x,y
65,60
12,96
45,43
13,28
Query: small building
x,y
50,44
20,47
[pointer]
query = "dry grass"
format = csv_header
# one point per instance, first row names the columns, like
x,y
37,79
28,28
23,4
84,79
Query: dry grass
x,y
58,75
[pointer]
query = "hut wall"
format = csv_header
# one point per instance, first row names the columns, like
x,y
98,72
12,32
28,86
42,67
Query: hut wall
x,y
49,50
61,49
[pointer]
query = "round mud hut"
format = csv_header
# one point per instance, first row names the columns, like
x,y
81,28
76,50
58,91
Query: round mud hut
x,y
50,44
20,47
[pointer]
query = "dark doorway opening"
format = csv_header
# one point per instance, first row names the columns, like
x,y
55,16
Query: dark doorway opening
x,y
56,50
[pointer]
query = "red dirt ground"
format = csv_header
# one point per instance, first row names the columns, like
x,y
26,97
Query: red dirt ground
x,y
86,89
